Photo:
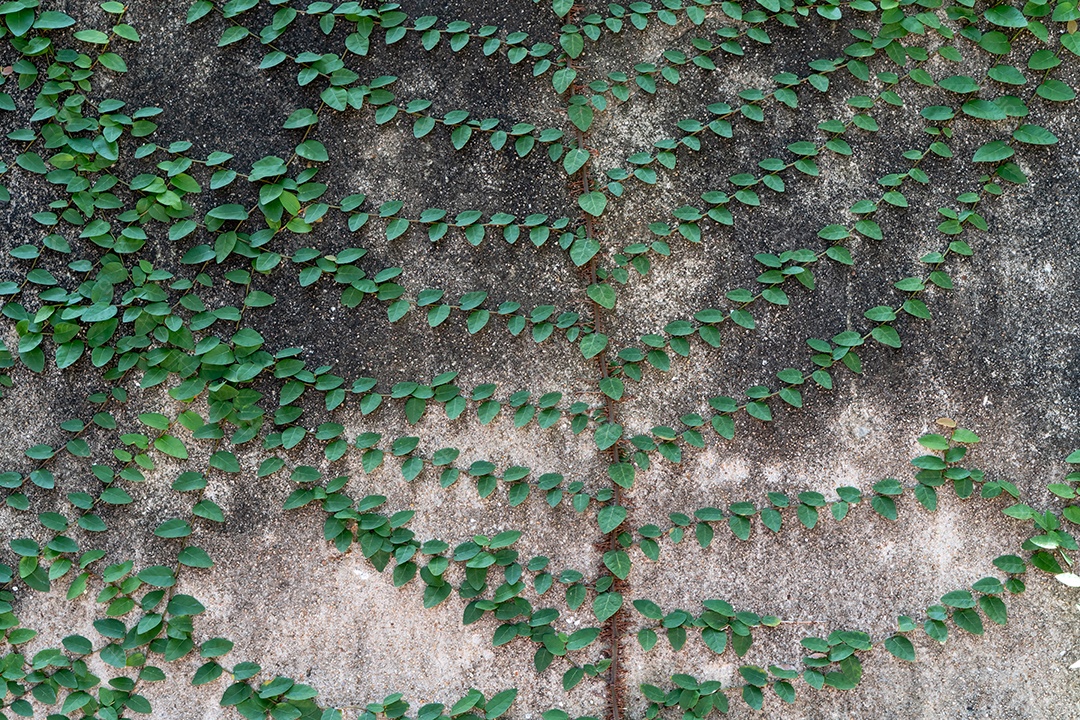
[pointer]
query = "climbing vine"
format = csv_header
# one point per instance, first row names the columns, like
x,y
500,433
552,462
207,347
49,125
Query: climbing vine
x,y
142,264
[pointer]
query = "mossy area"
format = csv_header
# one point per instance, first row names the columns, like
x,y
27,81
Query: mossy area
x,y
539,359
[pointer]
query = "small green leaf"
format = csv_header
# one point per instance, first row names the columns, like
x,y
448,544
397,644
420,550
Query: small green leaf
x,y
622,474
574,159
593,203
610,517
1055,91
606,604
228,212
1034,135
175,528
233,34
968,619
499,703
1005,16
994,608
52,20
171,446
593,344
618,562
31,162
613,387
602,294
312,150
993,151
581,115
900,647
95,37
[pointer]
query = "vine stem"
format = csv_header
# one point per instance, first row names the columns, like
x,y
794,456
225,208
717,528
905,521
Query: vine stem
x,y
614,679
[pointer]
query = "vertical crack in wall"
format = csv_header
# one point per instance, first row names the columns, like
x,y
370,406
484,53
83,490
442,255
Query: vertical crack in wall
x,y
612,626
610,543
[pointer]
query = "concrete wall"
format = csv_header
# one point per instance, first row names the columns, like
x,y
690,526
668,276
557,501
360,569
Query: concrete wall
x,y
1000,357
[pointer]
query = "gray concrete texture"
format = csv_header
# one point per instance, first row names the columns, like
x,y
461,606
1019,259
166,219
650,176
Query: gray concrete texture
x,y
1000,357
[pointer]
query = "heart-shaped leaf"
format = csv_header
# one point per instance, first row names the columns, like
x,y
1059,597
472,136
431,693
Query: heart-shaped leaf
x,y
593,203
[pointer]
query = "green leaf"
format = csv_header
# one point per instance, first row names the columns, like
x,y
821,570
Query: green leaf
x,y
573,44
312,150
807,515
850,673
593,203
958,599
233,34
1007,74
983,110
606,604
618,562
225,461
114,62
753,696
994,608
31,162
52,20
182,604
1012,564
593,344
228,212
1034,135
759,410
171,446
884,506
582,638
607,435
195,557
743,318
900,647
574,159
25,547
68,353
622,474
993,151
561,7
613,387
19,18
581,115
960,84
175,528
583,250
886,335
158,576
499,703
1005,16
95,37
396,227
1055,91
1070,41
423,125
962,435
649,609
610,517
562,79
602,294
968,619
207,673
236,693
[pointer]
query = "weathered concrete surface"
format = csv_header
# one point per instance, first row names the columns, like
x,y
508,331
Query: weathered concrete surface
x,y
1000,357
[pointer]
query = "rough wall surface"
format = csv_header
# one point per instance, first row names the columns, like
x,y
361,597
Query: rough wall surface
x,y
1000,357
